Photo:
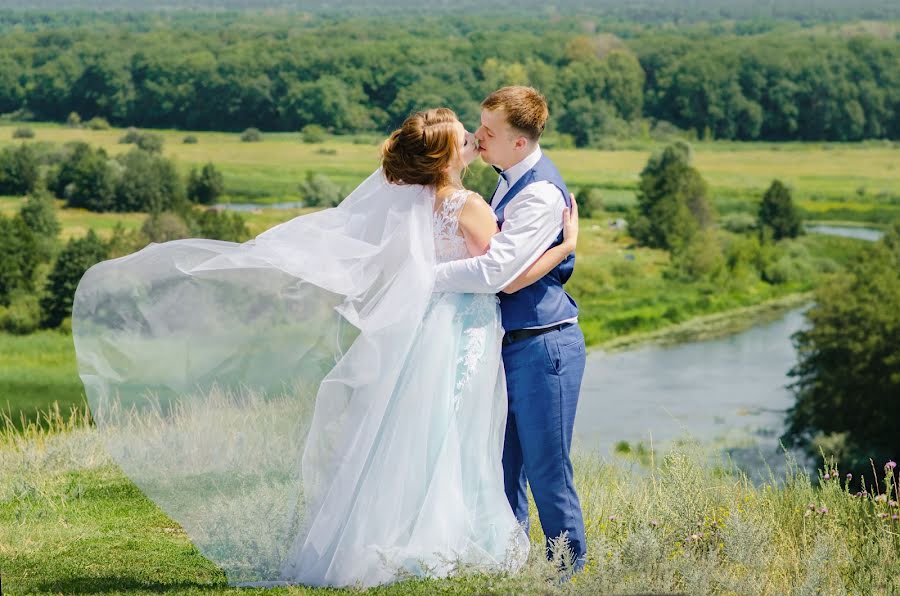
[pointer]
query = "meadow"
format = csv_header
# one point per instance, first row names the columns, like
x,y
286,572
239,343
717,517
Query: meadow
x,y
836,181
680,522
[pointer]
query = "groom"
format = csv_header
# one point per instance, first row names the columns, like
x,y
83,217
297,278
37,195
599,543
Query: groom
x,y
543,349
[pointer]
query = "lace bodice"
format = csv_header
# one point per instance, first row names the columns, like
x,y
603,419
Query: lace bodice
x,y
448,244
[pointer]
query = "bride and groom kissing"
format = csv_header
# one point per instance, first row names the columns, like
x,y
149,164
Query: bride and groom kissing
x,y
455,392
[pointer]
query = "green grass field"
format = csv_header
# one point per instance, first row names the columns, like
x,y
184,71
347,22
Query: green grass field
x,y
71,522
855,181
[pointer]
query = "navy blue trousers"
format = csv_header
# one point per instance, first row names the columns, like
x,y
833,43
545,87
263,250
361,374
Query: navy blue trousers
x,y
543,379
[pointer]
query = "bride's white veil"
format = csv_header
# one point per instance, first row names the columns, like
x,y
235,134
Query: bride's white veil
x,y
229,380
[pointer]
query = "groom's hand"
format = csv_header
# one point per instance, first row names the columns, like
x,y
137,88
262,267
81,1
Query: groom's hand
x,y
570,225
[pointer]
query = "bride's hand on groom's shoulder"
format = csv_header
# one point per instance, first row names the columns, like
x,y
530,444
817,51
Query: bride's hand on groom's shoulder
x,y
570,225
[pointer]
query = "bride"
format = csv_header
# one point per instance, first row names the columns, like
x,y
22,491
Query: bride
x,y
303,404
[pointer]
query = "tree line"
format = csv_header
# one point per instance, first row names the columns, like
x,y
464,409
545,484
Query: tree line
x,y
367,75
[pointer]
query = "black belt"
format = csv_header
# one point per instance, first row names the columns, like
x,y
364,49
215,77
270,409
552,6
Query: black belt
x,y
517,334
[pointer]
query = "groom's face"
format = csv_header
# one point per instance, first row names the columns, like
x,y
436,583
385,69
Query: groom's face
x,y
499,143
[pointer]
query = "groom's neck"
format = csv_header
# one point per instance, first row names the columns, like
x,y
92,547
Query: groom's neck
x,y
526,153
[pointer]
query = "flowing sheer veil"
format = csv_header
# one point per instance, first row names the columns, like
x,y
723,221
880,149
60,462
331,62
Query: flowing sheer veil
x,y
229,380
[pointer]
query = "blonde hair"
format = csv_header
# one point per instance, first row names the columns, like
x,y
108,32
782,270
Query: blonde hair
x,y
526,109
420,151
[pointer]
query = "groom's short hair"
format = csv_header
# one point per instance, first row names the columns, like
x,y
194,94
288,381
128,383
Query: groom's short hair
x,y
525,108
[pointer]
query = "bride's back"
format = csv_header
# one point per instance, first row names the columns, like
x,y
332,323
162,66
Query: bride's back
x,y
449,244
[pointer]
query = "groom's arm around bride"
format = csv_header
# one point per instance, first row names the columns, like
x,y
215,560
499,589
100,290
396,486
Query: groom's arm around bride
x,y
543,349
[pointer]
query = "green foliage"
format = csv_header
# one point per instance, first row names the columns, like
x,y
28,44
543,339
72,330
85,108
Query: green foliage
x,y
207,186
145,182
19,172
84,178
78,255
717,80
251,135
319,190
847,379
589,200
312,133
18,257
162,226
38,211
672,200
23,132
97,123
189,140
218,225
73,120
152,143
778,216
481,178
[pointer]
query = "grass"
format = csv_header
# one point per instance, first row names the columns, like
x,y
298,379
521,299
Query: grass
x,y
834,175
684,521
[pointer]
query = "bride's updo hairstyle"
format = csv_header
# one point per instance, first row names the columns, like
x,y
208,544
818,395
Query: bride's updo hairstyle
x,y
421,149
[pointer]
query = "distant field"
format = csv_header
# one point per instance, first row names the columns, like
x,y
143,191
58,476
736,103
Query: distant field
x,y
830,180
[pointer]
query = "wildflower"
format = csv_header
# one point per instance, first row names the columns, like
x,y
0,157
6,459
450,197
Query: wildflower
x,y
881,498
895,517
882,515
807,513
827,476
890,465
654,523
823,510
812,506
849,475
613,518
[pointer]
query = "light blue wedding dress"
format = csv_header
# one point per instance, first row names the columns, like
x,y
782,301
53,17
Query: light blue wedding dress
x,y
302,404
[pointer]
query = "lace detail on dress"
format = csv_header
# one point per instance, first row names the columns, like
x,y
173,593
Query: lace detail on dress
x,y
448,244
476,317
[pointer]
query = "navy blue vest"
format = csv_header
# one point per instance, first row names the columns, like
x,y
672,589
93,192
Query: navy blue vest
x,y
545,301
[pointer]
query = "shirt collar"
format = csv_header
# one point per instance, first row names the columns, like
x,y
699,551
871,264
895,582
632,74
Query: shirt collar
x,y
513,173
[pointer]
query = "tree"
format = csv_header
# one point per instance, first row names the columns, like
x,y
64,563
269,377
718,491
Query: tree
x,y
85,179
79,255
205,187
146,182
672,200
318,189
18,257
38,212
847,380
19,172
589,200
778,216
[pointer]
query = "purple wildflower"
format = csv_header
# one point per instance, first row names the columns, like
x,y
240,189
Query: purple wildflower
x,y
890,465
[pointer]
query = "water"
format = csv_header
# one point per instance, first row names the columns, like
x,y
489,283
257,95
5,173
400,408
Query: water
x,y
848,232
731,389
255,206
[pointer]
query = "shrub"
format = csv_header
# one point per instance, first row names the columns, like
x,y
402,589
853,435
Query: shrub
x,y
189,140
132,135
38,211
590,201
312,133
97,123
19,173
18,257
251,135
74,120
152,143
79,255
318,189
23,132
205,187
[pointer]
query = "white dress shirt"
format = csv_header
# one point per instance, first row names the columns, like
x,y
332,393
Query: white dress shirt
x,y
532,222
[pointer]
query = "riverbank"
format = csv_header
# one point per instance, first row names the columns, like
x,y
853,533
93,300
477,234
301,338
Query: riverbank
x,y
709,326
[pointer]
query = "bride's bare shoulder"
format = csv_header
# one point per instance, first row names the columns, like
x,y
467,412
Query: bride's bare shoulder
x,y
476,212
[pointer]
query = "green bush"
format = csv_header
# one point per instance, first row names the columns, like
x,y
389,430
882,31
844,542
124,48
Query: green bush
x,y
132,135
18,257
590,201
251,135
205,187
38,211
19,173
164,226
85,179
73,120
23,132
146,182
79,255
152,143
319,190
313,133
97,123
22,315
190,140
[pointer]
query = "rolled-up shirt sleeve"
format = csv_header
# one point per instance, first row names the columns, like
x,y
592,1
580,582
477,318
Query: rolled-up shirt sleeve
x,y
533,220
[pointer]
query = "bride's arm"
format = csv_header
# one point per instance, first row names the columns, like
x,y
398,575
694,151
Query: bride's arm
x,y
552,257
478,224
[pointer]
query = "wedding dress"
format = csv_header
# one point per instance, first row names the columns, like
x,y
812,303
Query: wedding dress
x,y
302,404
